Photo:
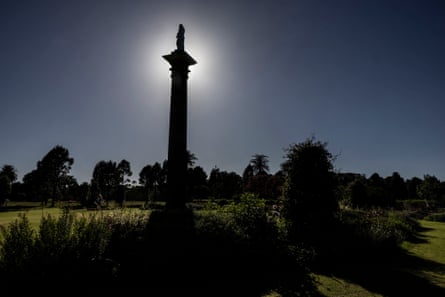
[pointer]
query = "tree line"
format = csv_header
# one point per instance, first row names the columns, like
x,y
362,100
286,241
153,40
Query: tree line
x,y
51,181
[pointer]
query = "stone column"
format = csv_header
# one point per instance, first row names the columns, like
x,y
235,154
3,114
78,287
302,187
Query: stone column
x,y
179,60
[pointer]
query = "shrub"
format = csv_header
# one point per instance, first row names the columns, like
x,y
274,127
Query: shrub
x,y
17,246
309,190
68,248
376,229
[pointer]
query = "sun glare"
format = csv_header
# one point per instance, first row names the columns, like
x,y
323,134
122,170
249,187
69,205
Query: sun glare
x,y
198,44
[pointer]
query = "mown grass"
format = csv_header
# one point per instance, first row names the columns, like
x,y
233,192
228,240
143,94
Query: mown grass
x,y
431,248
334,287
34,215
421,269
34,212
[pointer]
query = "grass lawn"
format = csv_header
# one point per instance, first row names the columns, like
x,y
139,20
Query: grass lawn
x,y
34,213
335,287
432,249
425,260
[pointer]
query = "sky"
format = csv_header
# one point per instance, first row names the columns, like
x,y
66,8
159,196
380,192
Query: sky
x,y
365,76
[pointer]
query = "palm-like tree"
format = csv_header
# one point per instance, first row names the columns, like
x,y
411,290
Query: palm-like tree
x,y
259,163
191,159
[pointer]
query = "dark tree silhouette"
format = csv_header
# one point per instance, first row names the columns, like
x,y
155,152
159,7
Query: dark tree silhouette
x,y
197,183
5,188
10,172
411,187
310,188
109,180
378,193
397,187
8,175
191,159
259,164
50,178
430,191
357,193
247,173
223,184
152,178
266,186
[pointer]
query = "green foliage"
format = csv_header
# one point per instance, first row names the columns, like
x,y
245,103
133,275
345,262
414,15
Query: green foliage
x,y
249,216
377,228
17,246
242,238
431,191
66,245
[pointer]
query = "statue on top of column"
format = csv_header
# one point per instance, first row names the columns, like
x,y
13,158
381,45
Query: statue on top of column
x,y
180,38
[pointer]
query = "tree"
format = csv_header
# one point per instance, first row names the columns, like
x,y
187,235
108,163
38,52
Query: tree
x,y
10,172
8,175
247,173
259,164
197,183
109,180
265,186
5,188
396,188
411,188
357,193
429,190
310,200
191,159
50,178
378,194
34,187
223,184
152,178
124,170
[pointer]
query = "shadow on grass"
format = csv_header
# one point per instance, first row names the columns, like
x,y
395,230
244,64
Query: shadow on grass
x,y
391,272
17,208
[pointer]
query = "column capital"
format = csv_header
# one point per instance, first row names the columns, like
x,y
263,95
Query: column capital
x,y
179,59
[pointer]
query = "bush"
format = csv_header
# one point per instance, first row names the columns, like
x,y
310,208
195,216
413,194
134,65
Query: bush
x,y
242,239
309,191
376,229
235,247
67,248
17,246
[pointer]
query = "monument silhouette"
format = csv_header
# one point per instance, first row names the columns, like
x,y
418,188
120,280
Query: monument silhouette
x,y
179,61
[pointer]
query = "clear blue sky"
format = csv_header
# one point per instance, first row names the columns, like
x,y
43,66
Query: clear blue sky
x,y
367,77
